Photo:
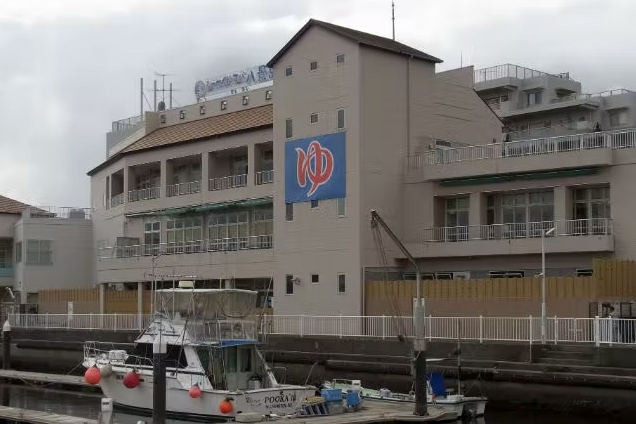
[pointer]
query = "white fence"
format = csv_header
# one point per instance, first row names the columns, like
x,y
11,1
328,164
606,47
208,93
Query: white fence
x,y
606,331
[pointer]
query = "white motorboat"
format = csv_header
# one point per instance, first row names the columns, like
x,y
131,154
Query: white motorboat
x,y
437,394
214,369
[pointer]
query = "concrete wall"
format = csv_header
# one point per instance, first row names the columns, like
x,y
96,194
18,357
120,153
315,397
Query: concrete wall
x,y
73,254
7,221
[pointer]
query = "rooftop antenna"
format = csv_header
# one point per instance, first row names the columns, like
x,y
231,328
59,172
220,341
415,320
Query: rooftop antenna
x,y
162,90
393,17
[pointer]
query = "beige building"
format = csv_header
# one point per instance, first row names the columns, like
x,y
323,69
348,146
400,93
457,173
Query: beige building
x,y
43,248
200,191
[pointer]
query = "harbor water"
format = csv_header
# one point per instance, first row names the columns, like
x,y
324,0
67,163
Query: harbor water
x,y
87,405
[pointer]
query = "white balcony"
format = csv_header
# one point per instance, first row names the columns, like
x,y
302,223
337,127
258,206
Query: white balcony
x,y
230,181
232,244
191,187
144,194
264,177
541,154
117,200
580,235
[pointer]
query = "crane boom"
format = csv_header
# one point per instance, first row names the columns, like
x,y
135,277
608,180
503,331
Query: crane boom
x,y
419,345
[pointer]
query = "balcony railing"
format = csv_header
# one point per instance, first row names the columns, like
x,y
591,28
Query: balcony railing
x,y
183,188
56,212
144,194
124,124
509,70
621,139
232,244
575,227
264,177
587,96
117,200
231,181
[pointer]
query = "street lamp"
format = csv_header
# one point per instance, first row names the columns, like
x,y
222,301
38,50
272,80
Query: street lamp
x,y
544,234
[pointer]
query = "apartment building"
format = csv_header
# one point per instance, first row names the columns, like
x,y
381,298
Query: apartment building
x,y
563,171
43,248
536,104
271,188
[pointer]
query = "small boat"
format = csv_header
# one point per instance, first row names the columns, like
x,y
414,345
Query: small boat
x,y
437,394
214,369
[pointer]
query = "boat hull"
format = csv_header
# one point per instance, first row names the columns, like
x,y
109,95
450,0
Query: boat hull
x,y
463,406
279,400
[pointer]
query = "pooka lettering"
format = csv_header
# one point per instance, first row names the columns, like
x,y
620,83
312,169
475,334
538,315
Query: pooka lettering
x,y
314,166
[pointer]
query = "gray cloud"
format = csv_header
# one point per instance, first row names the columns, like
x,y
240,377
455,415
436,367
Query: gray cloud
x,y
67,73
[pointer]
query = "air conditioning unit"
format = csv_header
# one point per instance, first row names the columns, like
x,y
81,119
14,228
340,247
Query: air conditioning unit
x,y
462,275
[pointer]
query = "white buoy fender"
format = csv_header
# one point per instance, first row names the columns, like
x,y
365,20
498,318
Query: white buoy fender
x,y
106,370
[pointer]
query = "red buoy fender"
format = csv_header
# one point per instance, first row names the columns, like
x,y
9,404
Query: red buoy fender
x,y
93,375
132,380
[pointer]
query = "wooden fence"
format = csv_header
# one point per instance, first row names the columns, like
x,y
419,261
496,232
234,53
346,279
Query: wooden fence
x,y
86,301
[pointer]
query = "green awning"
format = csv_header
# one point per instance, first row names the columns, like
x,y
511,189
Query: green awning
x,y
205,207
493,179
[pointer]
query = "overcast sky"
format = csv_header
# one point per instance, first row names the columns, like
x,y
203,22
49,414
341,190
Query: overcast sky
x,y
70,67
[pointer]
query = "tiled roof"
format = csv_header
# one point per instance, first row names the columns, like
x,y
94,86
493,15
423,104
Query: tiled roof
x,y
11,206
360,37
204,128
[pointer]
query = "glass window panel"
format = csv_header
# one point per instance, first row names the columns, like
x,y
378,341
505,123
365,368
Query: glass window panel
x,y
170,236
156,226
451,203
196,234
463,203
170,225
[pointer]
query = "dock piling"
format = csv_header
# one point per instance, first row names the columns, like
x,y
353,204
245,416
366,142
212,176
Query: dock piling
x,y
159,350
6,346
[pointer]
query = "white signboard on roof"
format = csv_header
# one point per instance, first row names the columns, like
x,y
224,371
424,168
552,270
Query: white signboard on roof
x,y
235,82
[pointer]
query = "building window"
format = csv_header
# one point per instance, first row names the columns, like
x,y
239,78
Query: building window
x,y
340,58
202,110
246,100
152,233
162,118
184,232
263,222
223,104
341,206
313,65
315,279
313,204
313,118
342,283
39,252
506,274
341,119
527,214
533,98
289,71
182,114
232,226
289,211
457,211
289,128
591,210
584,272
269,95
289,284
618,118
18,252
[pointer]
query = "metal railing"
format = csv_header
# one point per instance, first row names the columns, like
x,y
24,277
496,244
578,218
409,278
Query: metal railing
x,y
224,183
57,212
587,96
183,188
231,244
124,124
569,228
264,177
619,139
508,70
598,331
117,200
144,194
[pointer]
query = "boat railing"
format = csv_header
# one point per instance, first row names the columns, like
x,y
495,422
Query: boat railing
x,y
219,330
107,352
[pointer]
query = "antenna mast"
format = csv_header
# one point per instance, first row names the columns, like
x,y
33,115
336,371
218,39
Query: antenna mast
x,y
393,17
163,90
